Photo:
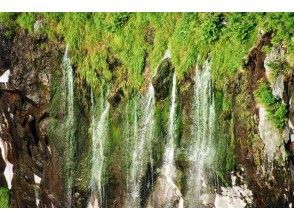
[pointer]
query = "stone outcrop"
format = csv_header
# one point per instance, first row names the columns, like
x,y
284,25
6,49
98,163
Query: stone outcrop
x,y
24,103
272,138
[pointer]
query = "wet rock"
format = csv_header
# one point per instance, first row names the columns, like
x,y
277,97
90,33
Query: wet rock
x,y
164,195
5,48
163,79
236,196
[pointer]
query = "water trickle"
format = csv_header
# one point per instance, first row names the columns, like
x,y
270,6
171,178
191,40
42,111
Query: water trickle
x,y
8,172
168,160
141,154
169,154
69,151
202,134
98,130
37,180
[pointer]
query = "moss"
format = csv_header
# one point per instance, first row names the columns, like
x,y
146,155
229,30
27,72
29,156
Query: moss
x,y
4,197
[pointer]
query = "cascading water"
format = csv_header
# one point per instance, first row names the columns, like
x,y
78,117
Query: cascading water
x,y
169,154
202,134
142,146
168,160
69,151
98,130
8,172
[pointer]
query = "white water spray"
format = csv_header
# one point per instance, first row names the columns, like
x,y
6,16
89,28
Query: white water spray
x,y
8,172
98,129
169,155
142,146
202,142
69,152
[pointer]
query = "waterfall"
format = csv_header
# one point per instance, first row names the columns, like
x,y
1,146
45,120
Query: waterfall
x,y
142,146
169,154
8,172
168,160
37,180
98,134
69,151
202,134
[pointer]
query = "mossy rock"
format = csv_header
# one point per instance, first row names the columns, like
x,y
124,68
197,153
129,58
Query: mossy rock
x,y
163,79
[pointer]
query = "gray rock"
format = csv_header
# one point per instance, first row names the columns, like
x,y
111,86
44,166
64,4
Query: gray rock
x,y
38,25
278,86
292,137
271,137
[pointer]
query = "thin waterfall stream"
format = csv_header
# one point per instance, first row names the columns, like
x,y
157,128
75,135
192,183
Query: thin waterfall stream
x,y
202,134
169,154
142,146
98,133
68,77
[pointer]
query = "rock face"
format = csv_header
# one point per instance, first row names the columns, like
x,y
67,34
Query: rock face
x,y
278,86
271,137
255,137
33,130
163,79
24,113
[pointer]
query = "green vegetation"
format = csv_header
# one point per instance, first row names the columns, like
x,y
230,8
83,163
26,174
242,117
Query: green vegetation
x,y
27,21
138,40
4,197
276,110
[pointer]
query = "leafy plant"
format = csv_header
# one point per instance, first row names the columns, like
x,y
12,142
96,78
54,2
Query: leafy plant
x,y
277,111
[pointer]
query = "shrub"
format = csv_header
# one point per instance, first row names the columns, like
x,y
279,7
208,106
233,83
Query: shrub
x,y
276,110
212,28
265,96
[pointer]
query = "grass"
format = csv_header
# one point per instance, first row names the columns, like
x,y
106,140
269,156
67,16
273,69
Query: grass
x,y
4,197
138,40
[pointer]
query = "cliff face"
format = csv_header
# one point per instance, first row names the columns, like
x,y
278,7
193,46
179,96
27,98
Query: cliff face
x,y
50,114
25,116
